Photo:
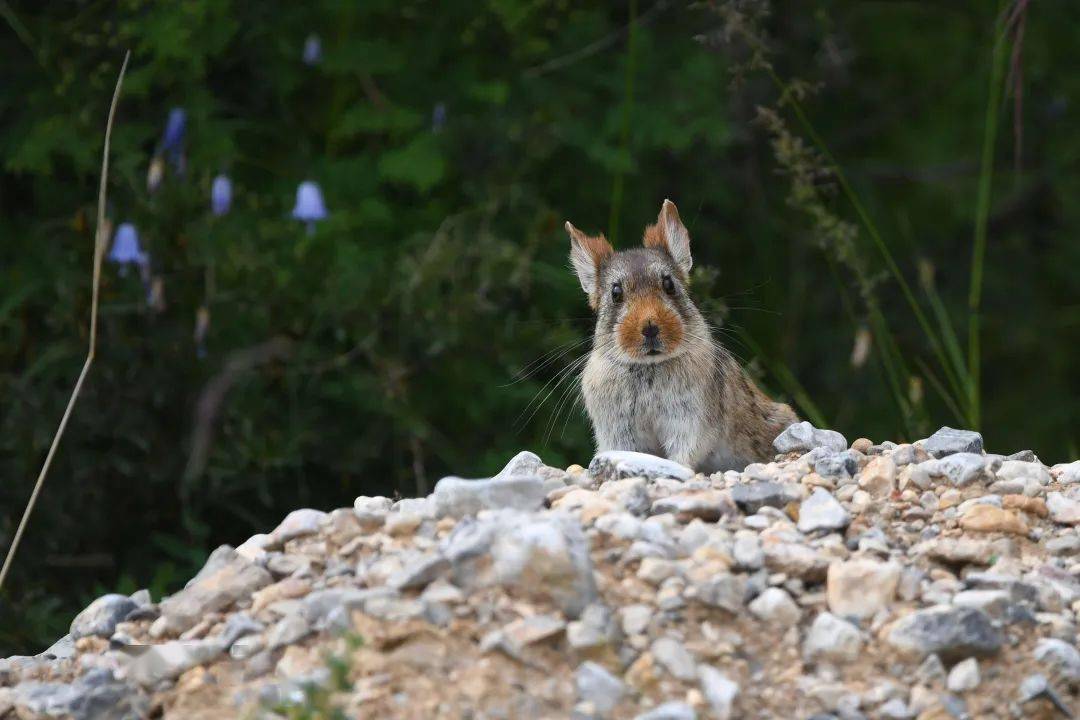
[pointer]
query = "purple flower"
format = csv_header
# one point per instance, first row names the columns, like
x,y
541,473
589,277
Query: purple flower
x,y
438,117
312,50
172,140
309,207
221,195
125,247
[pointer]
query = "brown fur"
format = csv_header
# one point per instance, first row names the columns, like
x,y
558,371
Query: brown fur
x,y
645,309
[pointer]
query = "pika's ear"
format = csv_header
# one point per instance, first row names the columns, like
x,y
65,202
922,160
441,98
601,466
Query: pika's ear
x,y
670,234
586,255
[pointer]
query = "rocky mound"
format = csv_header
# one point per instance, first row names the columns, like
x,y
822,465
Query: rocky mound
x,y
888,581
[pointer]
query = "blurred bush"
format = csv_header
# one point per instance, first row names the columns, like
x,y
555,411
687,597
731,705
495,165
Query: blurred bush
x,y
256,366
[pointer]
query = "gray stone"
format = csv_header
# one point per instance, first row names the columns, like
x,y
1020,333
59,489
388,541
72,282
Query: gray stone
x,y
840,464
673,656
1059,659
169,660
832,639
964,676
803,437
954,633
239,625
752,496
1036,687
62,649
821,511
101,616
1064,545
287,631
747,551
947,441
319,606
895,709
1024,456
419,573
598,686
247,647
457,497
723,590
669,711
619,464
97,695
226,577
719,691
597,627
959,469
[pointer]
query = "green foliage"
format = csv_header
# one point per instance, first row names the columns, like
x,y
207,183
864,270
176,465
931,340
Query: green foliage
x,y
408,317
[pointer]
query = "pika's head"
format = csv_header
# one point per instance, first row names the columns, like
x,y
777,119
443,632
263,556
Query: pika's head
x,y
644,312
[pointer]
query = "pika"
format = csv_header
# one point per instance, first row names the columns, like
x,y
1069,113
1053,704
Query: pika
x,y
656,381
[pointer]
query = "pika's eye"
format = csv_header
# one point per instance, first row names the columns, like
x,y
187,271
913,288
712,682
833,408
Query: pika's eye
x,y
616,292
668,284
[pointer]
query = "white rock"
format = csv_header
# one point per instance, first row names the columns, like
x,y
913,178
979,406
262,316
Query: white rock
x,y
635,618
879,476
775,606
675,658
861,588
964,676
598,686
1024,471
669,711
371,511
719,691
1067,473
655,570
832,639
254,548
1063,509
617,464
458,497
821,511
169,660
298,523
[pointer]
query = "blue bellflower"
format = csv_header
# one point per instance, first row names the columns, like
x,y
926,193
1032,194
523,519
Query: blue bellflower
x,y
172,140
126,249
438,117
312,50
309,207
221,195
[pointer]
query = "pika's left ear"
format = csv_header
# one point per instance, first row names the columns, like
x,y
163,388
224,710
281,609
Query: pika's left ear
x,y
670,234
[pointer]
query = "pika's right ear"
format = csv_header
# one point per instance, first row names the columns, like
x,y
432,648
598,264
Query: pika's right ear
x,y
586,255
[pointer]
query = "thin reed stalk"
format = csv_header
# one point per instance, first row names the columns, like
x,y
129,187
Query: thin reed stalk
x,y
100,240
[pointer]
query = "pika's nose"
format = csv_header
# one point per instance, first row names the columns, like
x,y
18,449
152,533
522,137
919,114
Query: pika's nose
x,y
650,331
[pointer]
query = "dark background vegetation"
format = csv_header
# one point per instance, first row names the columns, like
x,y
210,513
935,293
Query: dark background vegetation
x,y
403,321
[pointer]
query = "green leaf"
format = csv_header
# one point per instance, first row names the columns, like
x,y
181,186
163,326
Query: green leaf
x,y
419,164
